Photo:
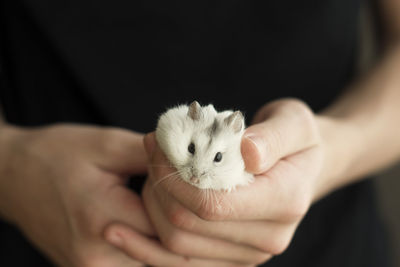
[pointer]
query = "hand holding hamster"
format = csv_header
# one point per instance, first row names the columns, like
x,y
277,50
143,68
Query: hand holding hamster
x,y
284,149
204,145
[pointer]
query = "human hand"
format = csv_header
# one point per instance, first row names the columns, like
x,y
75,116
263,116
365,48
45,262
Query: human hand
x,y
286,153
202,251
62,185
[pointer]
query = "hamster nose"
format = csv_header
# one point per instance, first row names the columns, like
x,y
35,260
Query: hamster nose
x,y
194,180
197,173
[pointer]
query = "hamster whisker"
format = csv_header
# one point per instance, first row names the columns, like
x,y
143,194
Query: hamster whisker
x,y
217,200
171,182
205,197
165,178
202,197
208,199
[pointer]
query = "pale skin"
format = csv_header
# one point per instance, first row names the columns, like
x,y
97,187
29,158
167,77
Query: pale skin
x,y
69,196
63,184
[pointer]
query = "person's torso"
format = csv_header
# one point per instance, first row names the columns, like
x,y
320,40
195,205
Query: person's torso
x,y
124,62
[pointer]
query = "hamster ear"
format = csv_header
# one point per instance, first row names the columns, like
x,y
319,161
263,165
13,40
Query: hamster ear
x,y
194,111
235,121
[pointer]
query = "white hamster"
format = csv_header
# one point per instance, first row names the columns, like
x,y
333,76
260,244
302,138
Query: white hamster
x,y
204,145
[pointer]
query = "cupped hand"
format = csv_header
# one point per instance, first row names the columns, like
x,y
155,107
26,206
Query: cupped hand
x,y
197,250
62,185
285,151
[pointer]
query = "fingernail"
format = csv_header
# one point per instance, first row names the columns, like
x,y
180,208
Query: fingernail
x,y
115,239
259,144
254,139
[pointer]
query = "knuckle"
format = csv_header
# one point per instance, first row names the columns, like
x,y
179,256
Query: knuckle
x,y
296,107
264,245
216,209
180,218
205,213
274,246
301,205
174,242
293,104
209,213
296,210
296,205
260,258
302,114
279,245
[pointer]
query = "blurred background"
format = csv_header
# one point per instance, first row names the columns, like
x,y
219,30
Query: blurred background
x,y
388,187
388,181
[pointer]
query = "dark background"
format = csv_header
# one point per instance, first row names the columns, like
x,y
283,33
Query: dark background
x,y
388,187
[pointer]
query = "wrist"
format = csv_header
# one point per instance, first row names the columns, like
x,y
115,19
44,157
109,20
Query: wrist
x,y
341,142
9,136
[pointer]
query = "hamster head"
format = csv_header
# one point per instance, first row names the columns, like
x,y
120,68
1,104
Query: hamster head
x,y
204,145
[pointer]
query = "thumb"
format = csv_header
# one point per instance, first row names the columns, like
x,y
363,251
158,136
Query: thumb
x,y
289,127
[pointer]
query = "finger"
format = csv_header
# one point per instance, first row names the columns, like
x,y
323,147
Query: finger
x,y
103,254
126,207
282,194
149,141
188,243
122,151
268,236
150,251
285,127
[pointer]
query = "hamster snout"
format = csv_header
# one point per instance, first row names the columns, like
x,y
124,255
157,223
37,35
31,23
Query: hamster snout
x,y
194,180
196,172
196,175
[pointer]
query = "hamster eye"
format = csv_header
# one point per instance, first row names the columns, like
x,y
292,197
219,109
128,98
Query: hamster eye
x,y
191,148
218,157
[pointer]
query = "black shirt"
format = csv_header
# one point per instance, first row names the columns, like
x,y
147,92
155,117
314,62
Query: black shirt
x,y
123,62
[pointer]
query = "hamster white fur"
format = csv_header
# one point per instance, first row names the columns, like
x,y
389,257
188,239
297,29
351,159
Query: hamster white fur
x,y
204,145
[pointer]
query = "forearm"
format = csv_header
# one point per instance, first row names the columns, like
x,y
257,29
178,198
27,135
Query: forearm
x,y
9,136
362,129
